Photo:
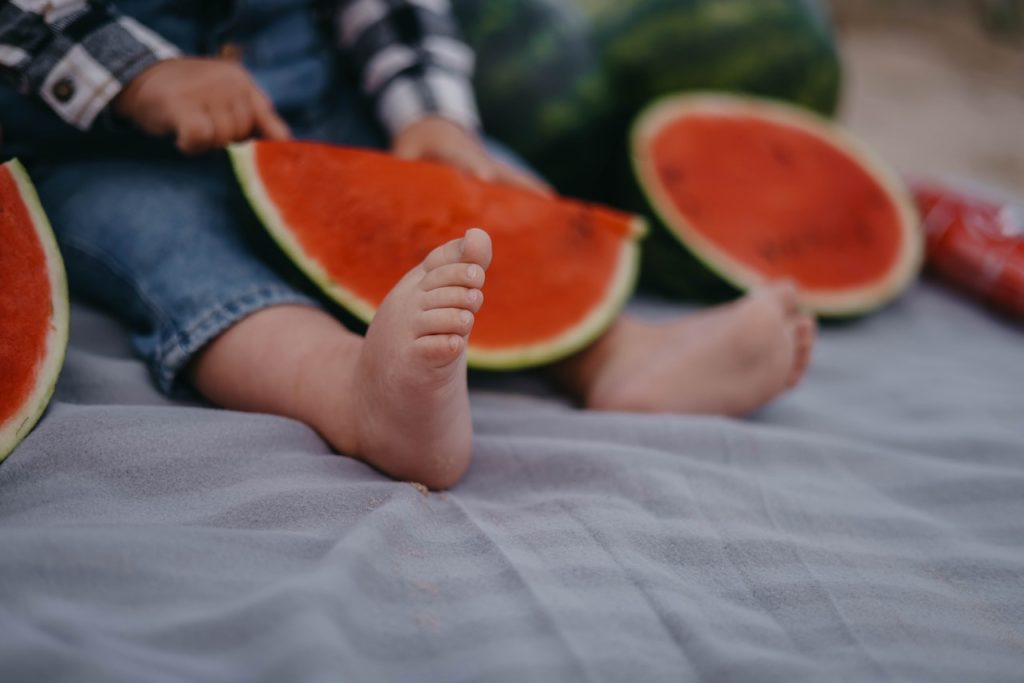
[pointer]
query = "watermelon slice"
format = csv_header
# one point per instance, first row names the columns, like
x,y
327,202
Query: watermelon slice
x,y
758,190
33,308
355,221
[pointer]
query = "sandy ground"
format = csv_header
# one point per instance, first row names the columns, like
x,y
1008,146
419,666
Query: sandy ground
x,y
933,93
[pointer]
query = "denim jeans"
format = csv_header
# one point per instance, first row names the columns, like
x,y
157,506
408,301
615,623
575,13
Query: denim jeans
x,y
168,243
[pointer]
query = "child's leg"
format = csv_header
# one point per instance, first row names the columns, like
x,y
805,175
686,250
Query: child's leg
x,y
167,245
397,398
729,360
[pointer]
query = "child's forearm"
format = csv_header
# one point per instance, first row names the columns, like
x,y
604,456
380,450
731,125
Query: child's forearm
x,y
411,60
75,56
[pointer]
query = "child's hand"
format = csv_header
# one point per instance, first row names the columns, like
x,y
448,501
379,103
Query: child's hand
x,y
438,139
204,103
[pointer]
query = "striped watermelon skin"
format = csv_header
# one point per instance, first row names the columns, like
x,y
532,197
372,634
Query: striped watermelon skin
x,y
561,80
540,86
775,48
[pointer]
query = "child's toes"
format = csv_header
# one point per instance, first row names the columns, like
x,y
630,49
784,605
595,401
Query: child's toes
x,y
469,275
439,349
804,341
807,335
477,248
787,295
443,321
449,252
453,297
473,247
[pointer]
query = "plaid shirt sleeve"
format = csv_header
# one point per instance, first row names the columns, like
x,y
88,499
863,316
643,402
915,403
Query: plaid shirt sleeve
x,y
76,55
410,58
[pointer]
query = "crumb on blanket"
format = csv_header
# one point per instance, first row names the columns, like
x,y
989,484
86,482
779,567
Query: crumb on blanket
x,y
419,487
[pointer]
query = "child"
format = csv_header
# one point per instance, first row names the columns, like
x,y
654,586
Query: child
x,y
163,236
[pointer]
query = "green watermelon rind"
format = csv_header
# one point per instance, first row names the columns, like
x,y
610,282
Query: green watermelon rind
x,y
833,303
18,426
243,160
575,338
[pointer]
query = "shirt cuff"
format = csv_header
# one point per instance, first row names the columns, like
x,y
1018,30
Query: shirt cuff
x,y
434,92
86,75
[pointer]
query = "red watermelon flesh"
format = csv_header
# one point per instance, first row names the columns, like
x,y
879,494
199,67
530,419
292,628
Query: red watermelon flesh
x,y
33,308
762,191
356,221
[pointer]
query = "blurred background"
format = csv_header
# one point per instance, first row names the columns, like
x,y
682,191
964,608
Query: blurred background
x,y
937,86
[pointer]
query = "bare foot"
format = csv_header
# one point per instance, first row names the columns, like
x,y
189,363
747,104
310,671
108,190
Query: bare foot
x,y
727,361
408,398
396,398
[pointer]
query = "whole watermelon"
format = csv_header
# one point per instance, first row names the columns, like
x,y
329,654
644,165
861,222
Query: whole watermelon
x,y
541,88
776,48
561,80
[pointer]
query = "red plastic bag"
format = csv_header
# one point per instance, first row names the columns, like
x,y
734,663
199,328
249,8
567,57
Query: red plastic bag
x,y
974,243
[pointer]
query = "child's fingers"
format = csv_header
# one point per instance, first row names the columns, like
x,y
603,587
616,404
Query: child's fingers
x,y
267,122
245,119
511,176
486,168
403,149
195,131
223,125
477,164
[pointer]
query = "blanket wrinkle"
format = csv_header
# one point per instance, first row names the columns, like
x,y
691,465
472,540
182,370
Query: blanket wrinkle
x,y
729,551
651,603
877,667
579,661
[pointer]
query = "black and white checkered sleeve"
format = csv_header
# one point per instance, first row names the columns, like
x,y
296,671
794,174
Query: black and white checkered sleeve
x,y
411,59
75,55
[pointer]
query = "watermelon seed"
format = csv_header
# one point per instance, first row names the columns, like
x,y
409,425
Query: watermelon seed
x,y
672,175
583,225
782,156
692,209
813,238
865,234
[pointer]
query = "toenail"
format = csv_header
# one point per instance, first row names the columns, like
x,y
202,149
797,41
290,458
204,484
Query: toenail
x,y
472,272
472,295
466,317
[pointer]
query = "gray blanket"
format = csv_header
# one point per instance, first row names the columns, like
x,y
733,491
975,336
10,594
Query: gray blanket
x,y
867,527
